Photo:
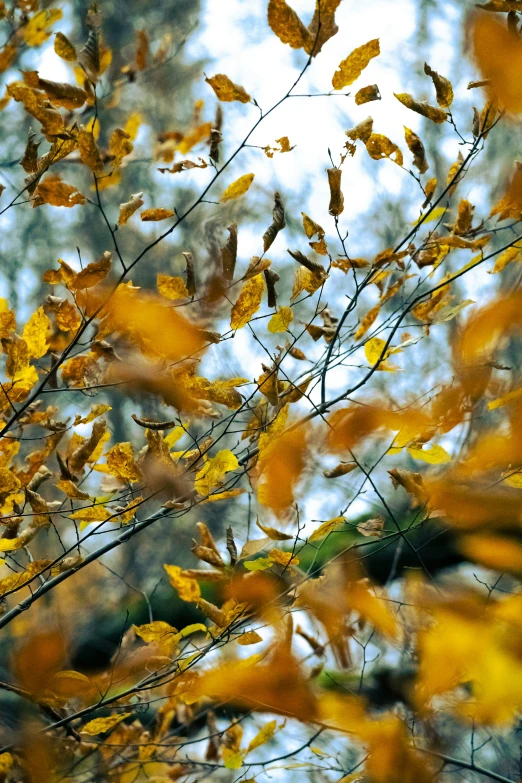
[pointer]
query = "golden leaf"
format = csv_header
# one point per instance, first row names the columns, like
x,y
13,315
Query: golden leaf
x,y
326,528
93,273
275,535
89,152
51,190
188,588
434,455
128,209
367,94
425,109
442,85
367,321
120,462
281,320
100,725
498,52
226,90
351,68
249,637
35,334
172,287
156,214
248,302
35,31
379,146
71,490
213,471
90,514
120,145
64,48
505,258
416,147
237,188
287,26
281,464
264,735
67,316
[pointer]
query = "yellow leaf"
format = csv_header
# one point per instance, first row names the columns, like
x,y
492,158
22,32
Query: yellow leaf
x,y
172,287
64,48
35,32
379,146
498,52
505,399
120,145
187,587
433,113
416,147
156,214
91,514
282,558
250,637
97,410
281,320
351,68
120,462
248,302
435,455
238,188
93,273
100,725
67,317
434,214
287,26
226,90
51,190
442,85
71,490
89,152
505,258
367,321
7,319
275,535
263,736
35,334
128,208
155,633
213,471
325,528
233,759
132,125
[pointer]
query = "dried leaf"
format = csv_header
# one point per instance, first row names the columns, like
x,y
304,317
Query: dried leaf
x,y
226,90
425,109
248,302
351,68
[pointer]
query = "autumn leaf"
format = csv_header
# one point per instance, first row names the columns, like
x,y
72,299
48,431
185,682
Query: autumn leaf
x,y
433,113
248,302
101,725
351,68
157,214
128,208
172,287
64,48
93,273
286,24
498,52
237,188
281,320
226,90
